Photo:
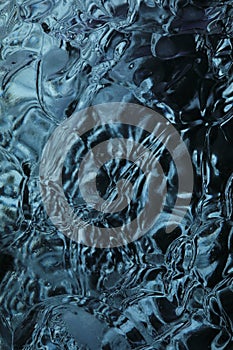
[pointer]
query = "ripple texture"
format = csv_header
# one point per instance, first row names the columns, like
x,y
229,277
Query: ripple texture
x,y
164,291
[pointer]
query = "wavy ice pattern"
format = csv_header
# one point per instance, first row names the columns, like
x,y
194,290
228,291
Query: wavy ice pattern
x,y
164,291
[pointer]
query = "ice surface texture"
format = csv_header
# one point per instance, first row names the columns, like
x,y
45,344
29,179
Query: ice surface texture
x,y
164,291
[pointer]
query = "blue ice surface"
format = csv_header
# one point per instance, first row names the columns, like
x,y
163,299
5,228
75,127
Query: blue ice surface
x,y
164,291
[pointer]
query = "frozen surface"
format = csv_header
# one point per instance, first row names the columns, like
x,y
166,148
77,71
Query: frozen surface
x,y
165,291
